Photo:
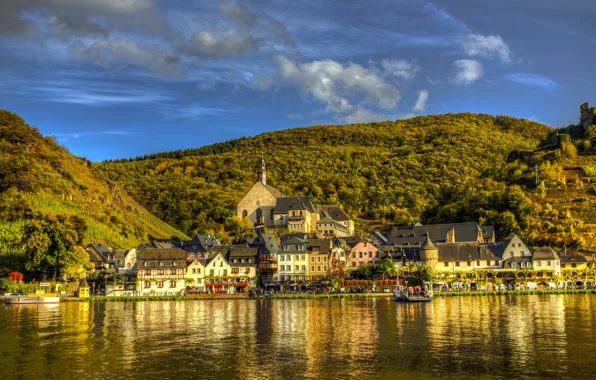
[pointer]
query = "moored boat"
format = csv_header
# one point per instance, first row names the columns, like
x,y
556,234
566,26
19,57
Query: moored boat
x,y
18,299
408,296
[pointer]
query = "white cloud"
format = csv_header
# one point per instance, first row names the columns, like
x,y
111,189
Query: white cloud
x,y
361,115
331,82
468,71
295,116
420,105
206,44
487,46
400,68
157,59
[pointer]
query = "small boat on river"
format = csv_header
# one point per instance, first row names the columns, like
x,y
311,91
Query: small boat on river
x,y
21,299
409,295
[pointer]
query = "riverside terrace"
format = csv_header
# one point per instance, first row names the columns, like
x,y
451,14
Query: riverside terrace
x,y
458,256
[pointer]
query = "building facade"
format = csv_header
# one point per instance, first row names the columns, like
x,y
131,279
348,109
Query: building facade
x,y
161,271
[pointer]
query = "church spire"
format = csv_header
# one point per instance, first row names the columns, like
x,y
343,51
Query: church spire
x,y
262,171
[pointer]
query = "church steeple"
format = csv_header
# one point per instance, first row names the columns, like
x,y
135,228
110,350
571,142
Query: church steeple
x,y
262,171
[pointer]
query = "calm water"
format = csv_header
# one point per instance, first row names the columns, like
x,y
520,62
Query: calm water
x,y
494,337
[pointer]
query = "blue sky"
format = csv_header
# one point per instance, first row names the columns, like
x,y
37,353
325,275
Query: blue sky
x,y
121,78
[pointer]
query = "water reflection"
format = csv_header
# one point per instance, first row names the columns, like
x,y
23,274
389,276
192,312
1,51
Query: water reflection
x,y
524,336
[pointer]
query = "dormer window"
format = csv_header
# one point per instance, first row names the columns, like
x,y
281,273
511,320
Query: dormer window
x,y
161,264
174,263
146,263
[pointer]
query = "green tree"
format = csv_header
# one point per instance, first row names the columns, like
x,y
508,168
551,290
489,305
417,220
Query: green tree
x,y
51,242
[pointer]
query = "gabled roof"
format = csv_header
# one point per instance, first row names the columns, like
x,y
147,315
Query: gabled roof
x,y
351,241
168,257
100,248
413,235
545,253
573,259
466,252
285,204
299,235
334,212
323,245
242,251
203,241
276,193
266,241
376,235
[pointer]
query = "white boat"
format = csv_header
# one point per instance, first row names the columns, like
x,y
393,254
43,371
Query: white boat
x,y
17,299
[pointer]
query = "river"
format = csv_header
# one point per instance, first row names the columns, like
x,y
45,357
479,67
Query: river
x,y
456,337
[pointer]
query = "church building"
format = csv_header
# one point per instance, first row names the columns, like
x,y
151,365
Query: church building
x,y
265,206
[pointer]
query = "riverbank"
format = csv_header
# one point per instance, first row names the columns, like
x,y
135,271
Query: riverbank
x,y
316,296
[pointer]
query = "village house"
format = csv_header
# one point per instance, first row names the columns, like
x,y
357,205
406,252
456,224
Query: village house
x,y
217,270
545,258
579,262
364,252
102,259
319,254
243,267
267,250
195,273
292,258
160,271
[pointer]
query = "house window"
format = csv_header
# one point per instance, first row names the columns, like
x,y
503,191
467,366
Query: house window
x,y
160,284
312,268
478,262
318,268
377,254
271,214
172,284
302,257
304,268
548,263
296,268
249,261
198,270
573,265
174,263
161,263
512,265
148,272
469,263
194,270
173,271
360,255
325,268
446,264
160,272
147,284
225,272
198,280
146,263
457,263
312,259
211,272
538,264
244,213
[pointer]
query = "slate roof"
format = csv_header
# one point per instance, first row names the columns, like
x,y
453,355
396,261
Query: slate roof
x,y
266,242
488,231
276,193
414,235
202,242
334,212
284,204
101,249
376,235
545,253
242,251
466,252
573,259
299,235
166,255
427,243
351,241
326,219
325,245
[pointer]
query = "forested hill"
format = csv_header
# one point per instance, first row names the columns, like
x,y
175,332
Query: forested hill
x,y
40,178
441,168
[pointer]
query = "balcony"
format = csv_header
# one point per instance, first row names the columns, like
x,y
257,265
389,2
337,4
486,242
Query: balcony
x,y
268,266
